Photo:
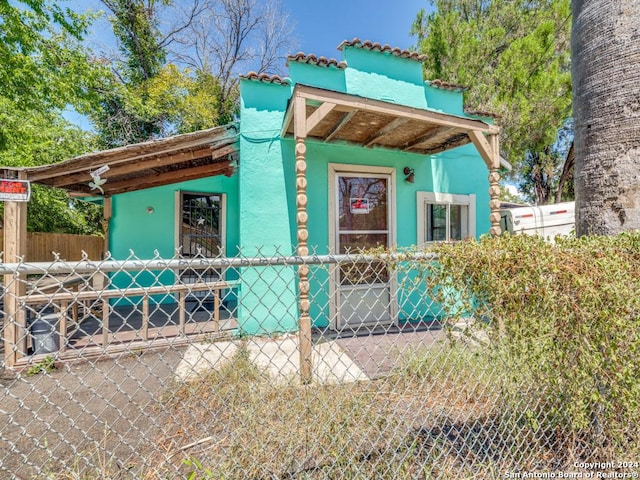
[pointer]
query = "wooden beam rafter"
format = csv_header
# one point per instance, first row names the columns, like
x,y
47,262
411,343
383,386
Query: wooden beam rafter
x,y
457,141
485,150
167,178
388,128
429,135
318,115
124,155
340,125
378,106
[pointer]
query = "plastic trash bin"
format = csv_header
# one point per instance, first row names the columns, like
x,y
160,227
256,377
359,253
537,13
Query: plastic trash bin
x,y
45,333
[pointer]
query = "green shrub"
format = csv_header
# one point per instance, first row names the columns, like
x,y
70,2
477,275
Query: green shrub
x,y
564,321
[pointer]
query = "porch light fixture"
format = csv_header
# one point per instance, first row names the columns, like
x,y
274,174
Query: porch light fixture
x,y
410,175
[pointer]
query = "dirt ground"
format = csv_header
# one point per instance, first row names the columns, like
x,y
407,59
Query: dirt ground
x,y
87,410
93,416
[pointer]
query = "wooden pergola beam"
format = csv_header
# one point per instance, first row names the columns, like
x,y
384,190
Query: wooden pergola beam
x,y
426,137
145,164
318,115
485,150
217,137
167,178
346,101
340,125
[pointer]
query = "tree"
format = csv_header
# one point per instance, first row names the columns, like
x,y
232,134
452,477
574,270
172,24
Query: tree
x,y
174,77
231,37
43,70
514,57
118,118
606,78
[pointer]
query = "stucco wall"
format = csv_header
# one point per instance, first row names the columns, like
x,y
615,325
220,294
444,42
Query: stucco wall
x,y
135,232
267,214
260,207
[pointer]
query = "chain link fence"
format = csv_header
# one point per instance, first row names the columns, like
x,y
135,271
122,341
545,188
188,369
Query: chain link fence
x,y
190,368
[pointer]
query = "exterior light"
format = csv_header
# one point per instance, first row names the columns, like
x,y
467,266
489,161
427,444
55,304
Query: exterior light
x,y
410,175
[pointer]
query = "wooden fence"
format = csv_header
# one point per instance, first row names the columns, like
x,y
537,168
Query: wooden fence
x,y
70,247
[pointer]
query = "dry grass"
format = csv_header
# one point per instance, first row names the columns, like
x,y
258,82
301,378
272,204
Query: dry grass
x,y
435,416
448,412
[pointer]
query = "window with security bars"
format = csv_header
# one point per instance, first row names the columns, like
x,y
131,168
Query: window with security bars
x,y
201,232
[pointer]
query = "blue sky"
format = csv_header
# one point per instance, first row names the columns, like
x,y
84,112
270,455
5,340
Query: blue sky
x,y
319,25
322,24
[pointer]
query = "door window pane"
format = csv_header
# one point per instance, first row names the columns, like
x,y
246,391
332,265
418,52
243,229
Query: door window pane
x,y
362,203
358,242
363,273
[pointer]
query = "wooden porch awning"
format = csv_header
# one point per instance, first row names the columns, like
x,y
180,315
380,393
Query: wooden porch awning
x,y
332,116
142,165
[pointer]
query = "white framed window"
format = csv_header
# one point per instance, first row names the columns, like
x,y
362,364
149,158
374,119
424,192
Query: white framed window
x,y
445,217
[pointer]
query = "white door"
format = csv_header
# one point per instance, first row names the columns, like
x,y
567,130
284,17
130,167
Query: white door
x,y
362,219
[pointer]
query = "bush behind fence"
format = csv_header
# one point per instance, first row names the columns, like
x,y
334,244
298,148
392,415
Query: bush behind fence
x,y
482,359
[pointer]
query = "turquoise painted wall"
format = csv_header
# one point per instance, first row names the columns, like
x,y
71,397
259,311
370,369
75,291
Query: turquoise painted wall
x,y
306,74
384,77
268,294
261,196
445,100
459,171
132,229
271,175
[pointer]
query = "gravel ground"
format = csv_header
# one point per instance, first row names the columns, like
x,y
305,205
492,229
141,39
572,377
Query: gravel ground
x,y
103,412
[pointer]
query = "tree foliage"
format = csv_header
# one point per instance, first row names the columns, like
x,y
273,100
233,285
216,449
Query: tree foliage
x,y
43,70
514,57
231,37
181,75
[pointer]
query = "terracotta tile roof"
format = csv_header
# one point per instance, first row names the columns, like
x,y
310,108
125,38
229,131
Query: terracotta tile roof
x,y
263,77
481,113
375,46
315,60
447,86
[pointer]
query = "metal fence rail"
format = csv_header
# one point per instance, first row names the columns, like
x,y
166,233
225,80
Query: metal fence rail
x,y
122,370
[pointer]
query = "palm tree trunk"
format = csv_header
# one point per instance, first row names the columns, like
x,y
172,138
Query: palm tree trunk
x,y
606,106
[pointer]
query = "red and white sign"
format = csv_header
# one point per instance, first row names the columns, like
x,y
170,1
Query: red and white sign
x,y
359,205
15,190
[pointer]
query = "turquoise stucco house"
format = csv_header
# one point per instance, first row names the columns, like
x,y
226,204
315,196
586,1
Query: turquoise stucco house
x,y
339,156
389,160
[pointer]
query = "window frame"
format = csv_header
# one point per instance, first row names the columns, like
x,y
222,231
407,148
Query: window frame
x,y
178,219
439,198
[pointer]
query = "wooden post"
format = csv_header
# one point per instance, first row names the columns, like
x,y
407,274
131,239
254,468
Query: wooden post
x,y
494,187
15,247
216,310
145,317
304,327
182,313
64,309
106,220
105,323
